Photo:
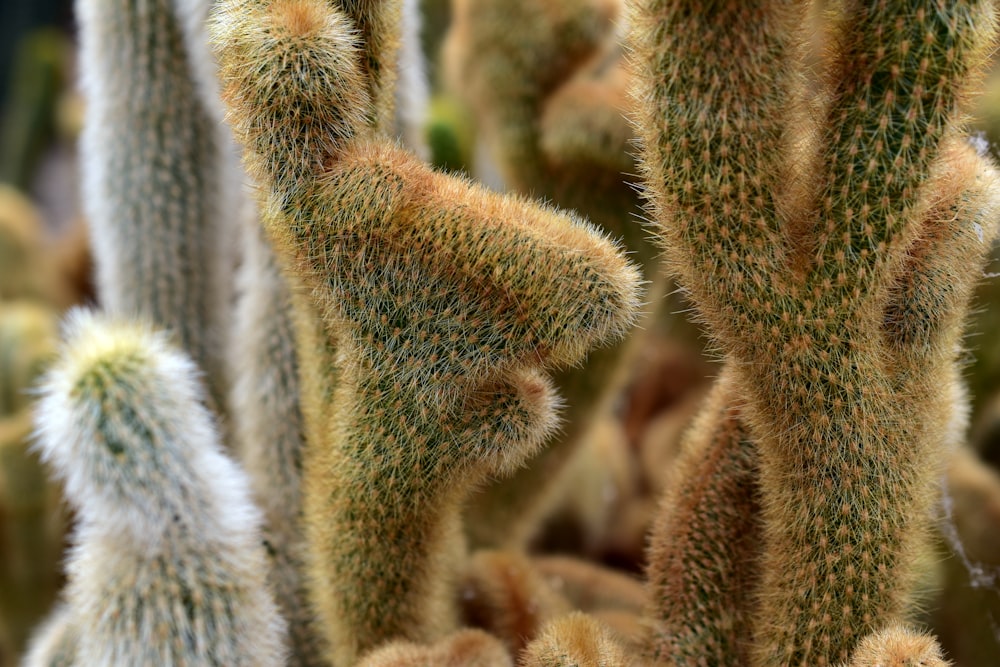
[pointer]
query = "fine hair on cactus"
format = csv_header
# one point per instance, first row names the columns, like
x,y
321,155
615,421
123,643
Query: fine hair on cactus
x,y
167,565
333,406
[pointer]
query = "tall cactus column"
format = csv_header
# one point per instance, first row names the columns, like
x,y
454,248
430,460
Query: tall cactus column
x,y
151,161
832,281
444,303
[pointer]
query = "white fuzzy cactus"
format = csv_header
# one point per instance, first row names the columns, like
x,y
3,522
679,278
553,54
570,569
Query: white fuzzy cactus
x,y
168,567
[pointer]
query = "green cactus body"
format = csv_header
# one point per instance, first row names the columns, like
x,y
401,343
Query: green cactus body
x,y
151,172
803,281
438,296
442,300
168,566
704,552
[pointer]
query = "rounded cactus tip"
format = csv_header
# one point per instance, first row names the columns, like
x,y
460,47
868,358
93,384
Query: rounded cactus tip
x,y
121,419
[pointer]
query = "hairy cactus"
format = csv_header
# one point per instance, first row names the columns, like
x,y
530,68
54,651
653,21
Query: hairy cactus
x,y
524,66
502,592
465,648
269,428
151,172
837,295
55,641
576,640
167,567
898,646
704,548
441,299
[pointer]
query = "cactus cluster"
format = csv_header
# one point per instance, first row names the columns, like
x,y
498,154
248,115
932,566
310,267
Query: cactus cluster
x,y
349,422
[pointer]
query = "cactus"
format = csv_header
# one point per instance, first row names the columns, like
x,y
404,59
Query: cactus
x,y
28,336
898,646
704,549
31,523
576,640
523,66
31,531
168,566
413,91
591,587
151,175
442,299
465,648
503,593
24,270
837,295
55,642
269,428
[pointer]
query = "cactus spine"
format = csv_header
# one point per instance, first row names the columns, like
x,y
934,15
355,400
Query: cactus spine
x,y
167,566
803,286
151,174
443,301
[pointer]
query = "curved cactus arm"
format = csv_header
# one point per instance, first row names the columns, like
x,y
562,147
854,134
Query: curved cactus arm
x,y
796,282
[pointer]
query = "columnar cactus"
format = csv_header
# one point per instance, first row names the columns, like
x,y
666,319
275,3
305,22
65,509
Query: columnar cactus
x,y
704,549
151,172
168,565
443,302
837,296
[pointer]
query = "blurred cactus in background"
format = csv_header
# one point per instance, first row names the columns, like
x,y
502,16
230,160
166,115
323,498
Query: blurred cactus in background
x,y
412,386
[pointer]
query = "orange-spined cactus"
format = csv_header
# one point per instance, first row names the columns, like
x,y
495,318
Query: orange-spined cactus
x,y
834,279
443,302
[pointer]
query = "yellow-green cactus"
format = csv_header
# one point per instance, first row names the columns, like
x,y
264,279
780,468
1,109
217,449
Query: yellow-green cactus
x,y
443,302
832,281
